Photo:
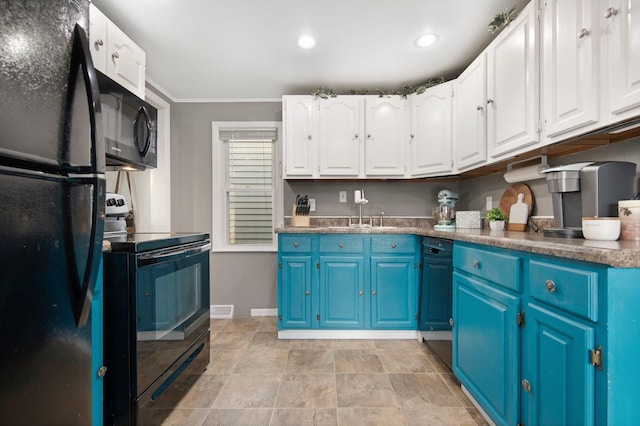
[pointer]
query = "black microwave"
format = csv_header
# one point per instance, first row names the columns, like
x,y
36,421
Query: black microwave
x,y
129,125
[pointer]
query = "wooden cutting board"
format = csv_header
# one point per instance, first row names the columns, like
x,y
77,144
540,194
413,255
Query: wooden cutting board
x,y
510,197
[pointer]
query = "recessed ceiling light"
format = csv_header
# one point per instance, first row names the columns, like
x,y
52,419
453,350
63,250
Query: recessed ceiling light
x,y
306,42
426,40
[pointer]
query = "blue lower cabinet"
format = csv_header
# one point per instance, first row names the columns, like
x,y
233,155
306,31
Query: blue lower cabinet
x,y
394,292
294,291
559,378
486,346
341,304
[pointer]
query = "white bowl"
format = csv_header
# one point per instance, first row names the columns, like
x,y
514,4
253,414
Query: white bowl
x,y
601,228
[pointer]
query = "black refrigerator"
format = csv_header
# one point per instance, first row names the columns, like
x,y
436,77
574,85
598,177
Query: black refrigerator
x,y
51,213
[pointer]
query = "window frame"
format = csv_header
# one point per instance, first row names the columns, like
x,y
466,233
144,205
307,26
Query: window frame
x,y
219,199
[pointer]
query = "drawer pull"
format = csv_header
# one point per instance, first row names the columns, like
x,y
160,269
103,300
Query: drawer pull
x,y
394,245
373,293
476,264
295,244
551,286
307,292
361,292
341,245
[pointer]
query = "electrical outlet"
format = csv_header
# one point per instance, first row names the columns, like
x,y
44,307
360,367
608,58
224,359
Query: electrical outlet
x,y
312,204
343,196
489,203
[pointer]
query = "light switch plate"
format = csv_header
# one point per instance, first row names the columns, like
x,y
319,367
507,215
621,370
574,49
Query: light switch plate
x,y
312,204
343,196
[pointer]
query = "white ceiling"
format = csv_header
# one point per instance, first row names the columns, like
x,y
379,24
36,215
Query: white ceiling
x,y
247,49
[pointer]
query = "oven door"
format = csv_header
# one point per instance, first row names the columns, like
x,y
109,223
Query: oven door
x,y
172,306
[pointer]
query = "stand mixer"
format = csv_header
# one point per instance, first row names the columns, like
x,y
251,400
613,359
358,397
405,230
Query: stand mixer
x,y
445,212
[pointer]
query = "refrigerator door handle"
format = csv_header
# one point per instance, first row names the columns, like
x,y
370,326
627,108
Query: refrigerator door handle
x,y
82,53
82,296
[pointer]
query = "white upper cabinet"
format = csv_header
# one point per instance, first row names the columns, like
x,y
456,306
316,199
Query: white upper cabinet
x,y
299,132
115,54
386,136
470,135
570,64
621,34
340,133
512,86
431,143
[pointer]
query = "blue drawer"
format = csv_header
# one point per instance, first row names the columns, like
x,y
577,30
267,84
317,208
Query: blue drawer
x,y
294,243
495,266
341,243
571,289
391,244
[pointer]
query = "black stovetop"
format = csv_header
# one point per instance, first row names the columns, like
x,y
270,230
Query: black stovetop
x,y
145,241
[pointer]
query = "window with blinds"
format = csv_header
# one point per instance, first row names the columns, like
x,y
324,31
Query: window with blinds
x,y
249,184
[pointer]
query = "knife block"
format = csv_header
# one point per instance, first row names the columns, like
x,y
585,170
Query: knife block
x,y
299,220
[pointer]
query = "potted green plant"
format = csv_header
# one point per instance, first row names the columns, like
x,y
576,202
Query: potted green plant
x,y
496,219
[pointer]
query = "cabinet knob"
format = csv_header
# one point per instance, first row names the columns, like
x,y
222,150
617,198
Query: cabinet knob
x,y
99,42
526,385
341,245
369,136
373,293
479,108
612,11
394,245
115,55
476,264
583,33
309,137
307,292
102,371
551,286
361,292
412,135
295,244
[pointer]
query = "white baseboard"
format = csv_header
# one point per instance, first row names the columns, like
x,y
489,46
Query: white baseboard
x,y
349,334
270,312
474,402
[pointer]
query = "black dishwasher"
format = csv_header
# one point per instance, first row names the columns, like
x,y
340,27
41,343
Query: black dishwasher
x,y
435,296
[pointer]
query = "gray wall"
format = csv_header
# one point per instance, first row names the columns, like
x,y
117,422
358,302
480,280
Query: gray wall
x,y
249,280
246,280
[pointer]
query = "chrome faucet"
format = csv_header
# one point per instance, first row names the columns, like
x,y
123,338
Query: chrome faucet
x,y
358,197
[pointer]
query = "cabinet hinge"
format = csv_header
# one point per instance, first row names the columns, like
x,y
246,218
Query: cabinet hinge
x,y
421,265
318,317
279,265
520,424
415,265
416,317
595,357
317,265
279,317
521,319
539,127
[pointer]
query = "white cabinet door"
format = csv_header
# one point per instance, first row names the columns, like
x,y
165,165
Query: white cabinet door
x,y
386,136
470,136
340,122
570,63
622,29
126,61
431,131
98,24
299,146
512,87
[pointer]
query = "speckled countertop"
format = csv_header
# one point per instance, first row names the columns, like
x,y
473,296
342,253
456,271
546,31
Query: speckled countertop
x,y
619,254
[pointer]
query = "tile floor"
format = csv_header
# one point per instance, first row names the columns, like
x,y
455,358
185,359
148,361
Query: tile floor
x,y
255,379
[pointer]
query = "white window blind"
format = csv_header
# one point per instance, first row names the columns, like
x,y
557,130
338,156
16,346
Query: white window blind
x,y
249,184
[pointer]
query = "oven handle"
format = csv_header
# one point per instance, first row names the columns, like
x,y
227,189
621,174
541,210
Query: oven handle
x,y
154,258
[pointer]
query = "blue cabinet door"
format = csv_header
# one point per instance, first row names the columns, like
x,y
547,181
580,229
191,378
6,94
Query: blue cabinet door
x,y
435,295
341,304
394,292
294,292
558,370
486,346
